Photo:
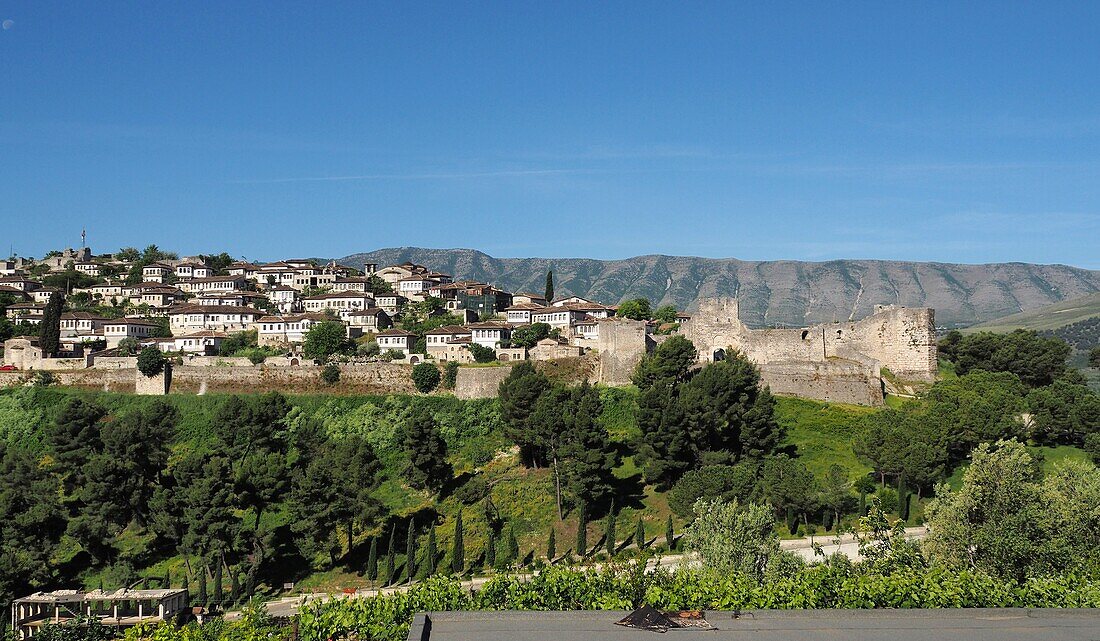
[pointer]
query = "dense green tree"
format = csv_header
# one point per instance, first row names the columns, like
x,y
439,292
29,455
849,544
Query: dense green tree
x,y
528,335
727,482
549,292
639,534
670,362
330,374
730,537
551,546
519,393
481,353
670,535
75,436
665,314
326,339
458,548
1036,360
980,407
450,375
203,598
205,487
635,309
49,329
1063,413
262,480
32,522
428,467
151,361
609,531
788,484
836,492
425,377
587,455
511,548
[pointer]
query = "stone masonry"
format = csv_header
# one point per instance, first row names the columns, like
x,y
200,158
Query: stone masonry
x,y
836,362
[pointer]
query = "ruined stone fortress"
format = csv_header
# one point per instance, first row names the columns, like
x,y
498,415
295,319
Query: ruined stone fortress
x,y
839,362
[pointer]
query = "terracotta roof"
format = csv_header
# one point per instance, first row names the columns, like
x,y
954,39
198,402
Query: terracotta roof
x,y
523,307
448,329
396,332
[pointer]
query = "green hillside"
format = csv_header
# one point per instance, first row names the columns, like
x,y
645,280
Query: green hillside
x,y
1045,318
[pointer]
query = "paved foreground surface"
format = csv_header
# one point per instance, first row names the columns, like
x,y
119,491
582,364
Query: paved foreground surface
x,y
771,625
804,547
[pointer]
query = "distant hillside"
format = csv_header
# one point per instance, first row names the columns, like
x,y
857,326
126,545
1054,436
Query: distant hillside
x,y
783,293
1048,317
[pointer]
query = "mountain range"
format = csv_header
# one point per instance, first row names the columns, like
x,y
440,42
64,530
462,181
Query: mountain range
x,y
781,293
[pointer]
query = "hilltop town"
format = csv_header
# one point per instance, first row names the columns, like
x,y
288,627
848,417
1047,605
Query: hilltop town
x,y
213,310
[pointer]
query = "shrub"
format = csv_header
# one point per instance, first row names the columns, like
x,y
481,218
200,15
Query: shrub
x,y
370,348
128,346
393,354
472,490
150,361
481,353
450,375
44,379
724,482
425,377
330,375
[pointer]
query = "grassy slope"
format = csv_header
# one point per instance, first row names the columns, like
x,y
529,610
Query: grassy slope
x,y
1049,317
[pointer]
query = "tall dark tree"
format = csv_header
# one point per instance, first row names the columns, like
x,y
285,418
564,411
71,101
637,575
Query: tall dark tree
x,y
551,546
49,332
203,597
410,552
430,552
518,394
609,531
639,534
372,559
670,535
32,523
587,455
427,467
219,594
669,363
491,549
511,548
582,529
549,287
74,437
208,502
391,556
458,550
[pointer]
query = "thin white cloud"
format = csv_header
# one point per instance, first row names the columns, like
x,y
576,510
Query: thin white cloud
x,y
414,176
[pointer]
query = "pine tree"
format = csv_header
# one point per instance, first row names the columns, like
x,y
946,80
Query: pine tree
x,y
428,467
204,599
391,556
670,535
458,551
551,548
219,596
431,552
372,559
639,534
49,329
549,287
582,529
609,531
410,553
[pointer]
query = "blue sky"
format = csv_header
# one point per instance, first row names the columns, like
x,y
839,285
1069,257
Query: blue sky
x,y
963,132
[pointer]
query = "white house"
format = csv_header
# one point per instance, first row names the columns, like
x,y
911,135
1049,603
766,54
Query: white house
x,y
396,339
155,272
89,268
44,294
81,324
283,297
340,302
489,334
213,284
225,318
366,321
291,329
189,270
520,313
117,329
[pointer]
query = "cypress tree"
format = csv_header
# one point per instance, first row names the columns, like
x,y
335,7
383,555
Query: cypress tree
x,y
410,553
609,531
49,329
250,578
372,559
792,521
391,559
549,287
903,499
491,550
167,579
639,534
551,547
458,551
219,596
511,547
203,597
431,552
234,586
670,536
186,586
582,529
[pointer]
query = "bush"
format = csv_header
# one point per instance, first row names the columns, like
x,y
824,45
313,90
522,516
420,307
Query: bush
x,y
369,348
425,377
482,354
450,375
44,379
724,482
128,346
330,375
150,361
472,490
393,355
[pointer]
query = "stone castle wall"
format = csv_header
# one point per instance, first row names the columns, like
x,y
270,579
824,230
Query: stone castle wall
x,y
621,346
480,382
835,381
899,338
